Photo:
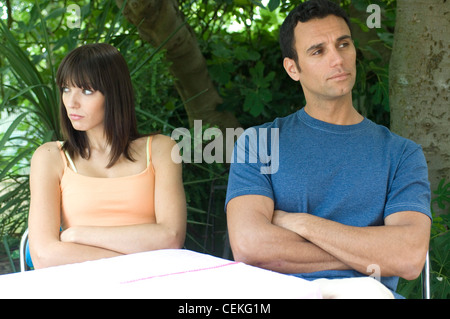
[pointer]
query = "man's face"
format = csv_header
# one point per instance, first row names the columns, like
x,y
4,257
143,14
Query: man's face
x,y
326,57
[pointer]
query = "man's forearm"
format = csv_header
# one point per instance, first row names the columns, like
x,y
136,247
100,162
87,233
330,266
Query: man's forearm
x,y
279,249
332,237
300,256
387,248
255,240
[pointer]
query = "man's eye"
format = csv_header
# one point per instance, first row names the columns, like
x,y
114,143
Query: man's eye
x,y
317,52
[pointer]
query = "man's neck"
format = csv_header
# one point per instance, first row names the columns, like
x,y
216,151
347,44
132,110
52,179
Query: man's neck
x,y
334,112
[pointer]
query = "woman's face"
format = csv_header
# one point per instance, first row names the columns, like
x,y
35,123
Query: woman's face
x,y
85,108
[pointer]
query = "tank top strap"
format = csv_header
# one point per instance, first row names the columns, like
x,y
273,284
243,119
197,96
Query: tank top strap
x,y
60,145
65,156
149,149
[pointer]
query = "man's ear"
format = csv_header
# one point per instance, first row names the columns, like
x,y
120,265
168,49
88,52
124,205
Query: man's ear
x,y
291,68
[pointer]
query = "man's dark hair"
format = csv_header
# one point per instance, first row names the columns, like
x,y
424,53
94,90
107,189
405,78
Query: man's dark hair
x,y
313,9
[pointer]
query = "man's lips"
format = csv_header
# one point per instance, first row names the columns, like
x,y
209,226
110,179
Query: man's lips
x,y
340,76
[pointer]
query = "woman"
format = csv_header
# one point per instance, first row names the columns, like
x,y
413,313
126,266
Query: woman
x,y
106,191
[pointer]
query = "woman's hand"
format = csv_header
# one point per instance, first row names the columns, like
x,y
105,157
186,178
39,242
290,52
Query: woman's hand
x,y
68,235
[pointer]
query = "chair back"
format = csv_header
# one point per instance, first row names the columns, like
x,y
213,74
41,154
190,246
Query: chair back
x,y
25,258
426,292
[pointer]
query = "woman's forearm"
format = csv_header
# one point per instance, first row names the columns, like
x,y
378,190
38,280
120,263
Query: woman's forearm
x,y
84,243
60,253
125,239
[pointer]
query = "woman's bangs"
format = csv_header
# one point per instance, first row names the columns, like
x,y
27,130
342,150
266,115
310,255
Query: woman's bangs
x,y
78,74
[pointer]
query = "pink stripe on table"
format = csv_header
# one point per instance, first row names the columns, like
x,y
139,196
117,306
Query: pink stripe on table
x,y
180,273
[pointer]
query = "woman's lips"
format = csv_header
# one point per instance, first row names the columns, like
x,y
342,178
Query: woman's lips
x,y
75,117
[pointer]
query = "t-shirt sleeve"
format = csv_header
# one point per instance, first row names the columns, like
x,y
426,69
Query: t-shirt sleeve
x,y
249,173
410,188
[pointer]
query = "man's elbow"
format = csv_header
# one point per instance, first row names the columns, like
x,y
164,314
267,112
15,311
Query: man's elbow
x,y
245,251
411,267
411,271
241,255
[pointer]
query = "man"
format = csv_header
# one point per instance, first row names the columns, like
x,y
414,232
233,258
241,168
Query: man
x,y
349,199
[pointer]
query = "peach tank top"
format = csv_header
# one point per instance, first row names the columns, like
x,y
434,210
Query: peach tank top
x,y
94,201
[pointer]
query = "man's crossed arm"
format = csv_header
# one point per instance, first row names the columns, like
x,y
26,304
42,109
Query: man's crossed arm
x,y
302,243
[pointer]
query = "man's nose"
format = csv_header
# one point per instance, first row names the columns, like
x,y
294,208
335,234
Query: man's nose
x,y
336,58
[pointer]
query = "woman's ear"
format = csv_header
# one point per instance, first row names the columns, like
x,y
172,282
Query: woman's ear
x,y
291,68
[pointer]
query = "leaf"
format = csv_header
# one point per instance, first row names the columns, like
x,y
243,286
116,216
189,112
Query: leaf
x,y
265,95
243,53
14,161
221,51
56,13
257,71
273,5
222,72
251,98
255,100
253,104
258,3
387,38
268,79
361,24
11,129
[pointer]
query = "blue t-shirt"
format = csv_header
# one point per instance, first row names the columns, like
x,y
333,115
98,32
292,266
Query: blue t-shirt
x,y
356,175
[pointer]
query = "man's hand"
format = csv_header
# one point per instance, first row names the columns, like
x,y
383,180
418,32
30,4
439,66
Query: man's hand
x,y
257,239
398,247
286,220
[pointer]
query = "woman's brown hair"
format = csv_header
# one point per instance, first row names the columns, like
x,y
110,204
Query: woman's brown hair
x,y
100,67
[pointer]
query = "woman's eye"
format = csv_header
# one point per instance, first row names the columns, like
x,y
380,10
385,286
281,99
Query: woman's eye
x,y
88,92
65,89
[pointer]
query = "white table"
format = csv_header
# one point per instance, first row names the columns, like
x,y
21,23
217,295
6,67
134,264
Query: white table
x,y
162,274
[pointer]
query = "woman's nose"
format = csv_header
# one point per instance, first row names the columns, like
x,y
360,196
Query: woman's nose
x,y
70,100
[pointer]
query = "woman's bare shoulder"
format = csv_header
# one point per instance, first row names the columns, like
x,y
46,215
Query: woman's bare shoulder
x,y
163,148
162,144
162,140
47,150
48,157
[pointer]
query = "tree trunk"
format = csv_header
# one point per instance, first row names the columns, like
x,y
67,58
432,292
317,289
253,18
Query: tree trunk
x,y
419,81
157,20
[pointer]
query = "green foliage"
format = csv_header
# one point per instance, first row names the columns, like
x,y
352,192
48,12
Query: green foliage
x,y
259,96
439,251
38,116
440,243
244,60
440,257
